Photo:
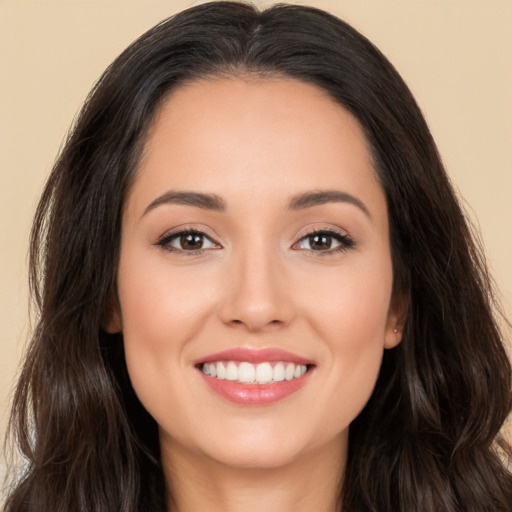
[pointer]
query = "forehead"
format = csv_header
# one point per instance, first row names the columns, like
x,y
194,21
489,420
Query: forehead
x,y
254,138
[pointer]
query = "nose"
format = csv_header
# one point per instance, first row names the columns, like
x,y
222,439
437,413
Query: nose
x,y
257,295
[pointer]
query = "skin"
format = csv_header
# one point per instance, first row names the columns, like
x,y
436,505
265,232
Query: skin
x,y
256,283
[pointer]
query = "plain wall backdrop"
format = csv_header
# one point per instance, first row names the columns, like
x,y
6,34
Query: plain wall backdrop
x,y
456,56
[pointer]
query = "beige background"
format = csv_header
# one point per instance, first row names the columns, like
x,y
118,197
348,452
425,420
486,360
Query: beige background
x,y
456,55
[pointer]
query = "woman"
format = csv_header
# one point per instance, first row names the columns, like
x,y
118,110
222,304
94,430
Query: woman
x,y
257,288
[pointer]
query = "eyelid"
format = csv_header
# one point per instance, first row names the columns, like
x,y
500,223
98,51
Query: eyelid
x,y
311,230
345,240
164,240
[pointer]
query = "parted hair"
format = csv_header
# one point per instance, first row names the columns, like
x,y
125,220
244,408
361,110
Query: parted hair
x,y
428,439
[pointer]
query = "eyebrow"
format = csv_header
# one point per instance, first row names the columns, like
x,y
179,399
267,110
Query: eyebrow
x,y
216,203
197,199
320,197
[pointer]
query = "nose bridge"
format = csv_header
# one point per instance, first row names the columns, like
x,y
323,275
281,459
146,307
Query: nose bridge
x,y
256,294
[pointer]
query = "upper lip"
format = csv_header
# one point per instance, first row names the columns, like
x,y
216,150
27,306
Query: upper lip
x,y
251,355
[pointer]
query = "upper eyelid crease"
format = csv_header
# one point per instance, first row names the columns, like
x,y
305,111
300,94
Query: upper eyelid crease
x,y
329,230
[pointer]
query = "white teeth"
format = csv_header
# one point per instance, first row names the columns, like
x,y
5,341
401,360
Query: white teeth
x,y
232,371
263,373
248,373
278,373
221,371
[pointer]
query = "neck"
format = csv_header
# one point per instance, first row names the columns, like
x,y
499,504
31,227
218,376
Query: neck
x,y
311,482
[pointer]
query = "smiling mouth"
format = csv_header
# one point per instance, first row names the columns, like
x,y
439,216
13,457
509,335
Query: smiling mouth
x,y
255,377
244,372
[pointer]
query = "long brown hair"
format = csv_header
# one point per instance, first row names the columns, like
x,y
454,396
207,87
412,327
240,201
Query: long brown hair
x,y
428,438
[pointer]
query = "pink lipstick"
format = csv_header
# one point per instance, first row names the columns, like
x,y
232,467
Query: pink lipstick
x,y
255,377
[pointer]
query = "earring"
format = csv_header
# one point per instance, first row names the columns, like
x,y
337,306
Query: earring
x,y
395,330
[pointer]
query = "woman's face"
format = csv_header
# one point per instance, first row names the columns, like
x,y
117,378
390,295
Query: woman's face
x,y
255,247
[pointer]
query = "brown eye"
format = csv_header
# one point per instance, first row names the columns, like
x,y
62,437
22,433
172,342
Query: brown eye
x,y
320,242
191,241
187,241
326,241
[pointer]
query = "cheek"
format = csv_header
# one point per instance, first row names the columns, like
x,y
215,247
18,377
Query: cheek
x,y
151,318
164,309
161,304
351,303
350,314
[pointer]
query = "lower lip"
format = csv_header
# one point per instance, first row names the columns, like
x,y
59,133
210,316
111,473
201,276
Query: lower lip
x,y
255,394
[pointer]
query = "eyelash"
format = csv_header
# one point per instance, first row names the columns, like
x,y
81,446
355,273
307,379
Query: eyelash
x,y
345,241
165,241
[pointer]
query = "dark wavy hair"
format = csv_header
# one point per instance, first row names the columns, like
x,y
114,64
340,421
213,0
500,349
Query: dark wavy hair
x,y
428,439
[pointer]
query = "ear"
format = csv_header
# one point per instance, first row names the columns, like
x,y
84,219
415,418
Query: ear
x,y
111,322
396,321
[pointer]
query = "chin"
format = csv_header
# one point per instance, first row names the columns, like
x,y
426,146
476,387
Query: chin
x,y
264,447
257,456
